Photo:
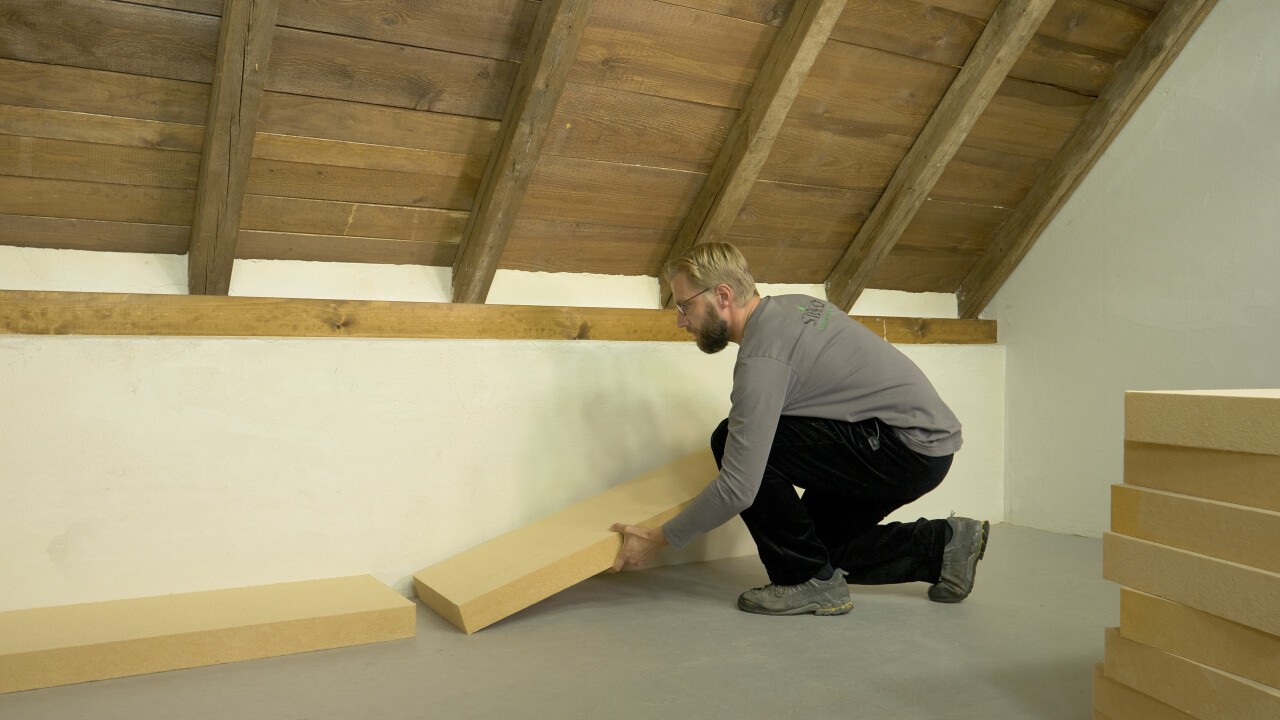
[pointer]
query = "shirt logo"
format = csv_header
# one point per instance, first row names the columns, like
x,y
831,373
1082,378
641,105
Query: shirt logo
x,y
817,313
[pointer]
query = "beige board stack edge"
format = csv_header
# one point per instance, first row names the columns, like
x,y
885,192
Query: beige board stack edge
x,y
47,647
1229,590
1199,636
1120,702
1244,535
496,579
1248,479
1201,691
1243,421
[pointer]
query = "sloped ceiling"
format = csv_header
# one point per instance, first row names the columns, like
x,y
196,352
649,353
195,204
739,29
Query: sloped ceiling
x,y
894,144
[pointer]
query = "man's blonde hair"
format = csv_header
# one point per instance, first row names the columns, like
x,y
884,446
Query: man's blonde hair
x,y
710,264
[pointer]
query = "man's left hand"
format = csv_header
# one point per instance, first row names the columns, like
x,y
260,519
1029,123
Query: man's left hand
x,y
640,545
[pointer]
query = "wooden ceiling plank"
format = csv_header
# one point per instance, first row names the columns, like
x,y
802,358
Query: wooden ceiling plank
x,y
751,138
79,234
999,46
244,46
557,33
275,245
1135,78
116,314
96,201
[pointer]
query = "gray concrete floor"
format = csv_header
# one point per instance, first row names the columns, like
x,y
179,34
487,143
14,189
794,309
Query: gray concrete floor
x,y
669,642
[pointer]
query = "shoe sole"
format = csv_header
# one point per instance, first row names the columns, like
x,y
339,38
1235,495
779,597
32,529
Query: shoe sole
x,y
805,610
982,551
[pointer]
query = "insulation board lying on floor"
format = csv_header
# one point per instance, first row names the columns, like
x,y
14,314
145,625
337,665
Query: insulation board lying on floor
x,y
1198,690
491,581
45,647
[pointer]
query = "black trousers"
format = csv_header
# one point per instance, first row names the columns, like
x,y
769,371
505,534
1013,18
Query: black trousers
x,y
853,475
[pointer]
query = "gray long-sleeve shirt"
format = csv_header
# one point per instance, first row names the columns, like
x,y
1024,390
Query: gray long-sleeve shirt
x,y
805,357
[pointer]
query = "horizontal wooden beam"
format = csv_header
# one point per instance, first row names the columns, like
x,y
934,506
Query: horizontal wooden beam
x,y
66,313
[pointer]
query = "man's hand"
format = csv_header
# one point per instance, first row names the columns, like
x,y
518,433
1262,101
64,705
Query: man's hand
x,y
640,545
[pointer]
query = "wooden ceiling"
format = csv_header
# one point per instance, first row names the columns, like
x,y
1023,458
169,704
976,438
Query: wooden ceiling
x,y
915,145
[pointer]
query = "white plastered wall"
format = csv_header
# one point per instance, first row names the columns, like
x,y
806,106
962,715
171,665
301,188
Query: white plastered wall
x,y
1161,272
144,466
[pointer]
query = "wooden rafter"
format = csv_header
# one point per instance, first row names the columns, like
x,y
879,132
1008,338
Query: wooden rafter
x,y
751,137
69,313
548,57
1011,28
1133,80
244,45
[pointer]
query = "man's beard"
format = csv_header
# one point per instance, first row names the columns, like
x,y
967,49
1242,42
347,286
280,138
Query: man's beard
x,y
713,336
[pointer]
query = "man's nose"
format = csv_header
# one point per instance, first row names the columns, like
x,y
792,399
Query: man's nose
x,y
682,320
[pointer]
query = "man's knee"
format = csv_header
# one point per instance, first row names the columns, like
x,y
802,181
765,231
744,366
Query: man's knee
x,y
718,440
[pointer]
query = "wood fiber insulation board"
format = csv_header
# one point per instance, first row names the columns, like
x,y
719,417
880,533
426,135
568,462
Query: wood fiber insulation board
x,y
1199,636
1248,479
45,647
1229,590
1120,702
1229,532
491,581
1245,421
1200,691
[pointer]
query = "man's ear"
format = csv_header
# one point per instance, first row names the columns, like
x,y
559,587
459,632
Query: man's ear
x,y
724,295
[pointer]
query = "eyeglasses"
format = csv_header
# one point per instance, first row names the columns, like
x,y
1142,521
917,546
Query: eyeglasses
x,y
680,305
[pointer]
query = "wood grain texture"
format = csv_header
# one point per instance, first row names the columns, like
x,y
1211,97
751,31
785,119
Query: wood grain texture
x,y
1008,32
1162,42
103,129
97,162
556,246
751,138
834,155
912,270
557,34
360,185
113,36
344,68
108,314
661,49
1029,119
274,245
95,201
77,234
71,89
244,49
574,190
326,217
355,122
658,132
486,28
1118,700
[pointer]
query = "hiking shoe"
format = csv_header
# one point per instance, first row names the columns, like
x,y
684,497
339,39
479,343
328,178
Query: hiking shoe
x,y
960,559
820,597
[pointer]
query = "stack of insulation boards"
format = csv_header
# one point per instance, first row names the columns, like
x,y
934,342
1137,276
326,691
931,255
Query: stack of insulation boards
x,y
1195,543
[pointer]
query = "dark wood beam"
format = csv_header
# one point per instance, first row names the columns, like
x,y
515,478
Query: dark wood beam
x,y
1134,78
244,46
751,137
67,313
1011,28
557,32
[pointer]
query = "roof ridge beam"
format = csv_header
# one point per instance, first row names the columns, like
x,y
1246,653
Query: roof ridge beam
x,y
1134,78
244,46
750,139
556,35
1006,36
